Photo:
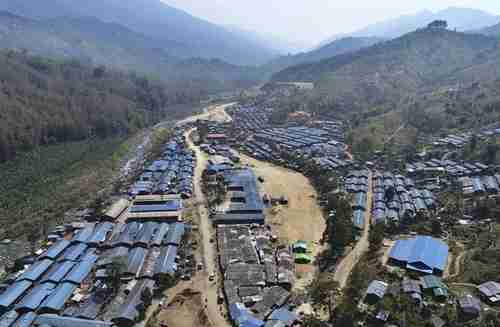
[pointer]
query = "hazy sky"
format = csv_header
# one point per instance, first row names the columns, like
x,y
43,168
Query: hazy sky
x,y
312,21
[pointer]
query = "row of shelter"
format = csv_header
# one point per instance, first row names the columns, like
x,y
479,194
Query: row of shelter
x,y
171,174
71,282
395,198
257,276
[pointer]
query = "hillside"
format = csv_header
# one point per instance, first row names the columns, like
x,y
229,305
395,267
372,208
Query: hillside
x,y
94,41
341,46
85,100
173,30
490,30
387,72
460,19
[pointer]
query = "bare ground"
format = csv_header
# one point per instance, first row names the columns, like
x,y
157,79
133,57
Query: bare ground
x,y
301,219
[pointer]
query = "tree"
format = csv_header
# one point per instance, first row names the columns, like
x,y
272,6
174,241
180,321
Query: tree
x,y
165,282
436,227
115,272
340,227
147,297
376,237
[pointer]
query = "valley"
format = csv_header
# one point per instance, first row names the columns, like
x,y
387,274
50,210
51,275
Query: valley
x,y
162,165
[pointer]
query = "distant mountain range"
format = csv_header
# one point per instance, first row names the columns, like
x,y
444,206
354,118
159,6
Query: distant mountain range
x,y
173,30
385,73
93,41
337,47
461,19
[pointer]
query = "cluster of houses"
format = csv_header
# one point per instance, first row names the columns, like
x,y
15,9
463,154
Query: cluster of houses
x,y
257,276
356,183
136,241
480,185
436,167
242,201
171,174
249,119
72,277
429,289
396,198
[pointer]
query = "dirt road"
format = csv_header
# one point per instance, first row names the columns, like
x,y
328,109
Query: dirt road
x,y
209,289
301,219
345,267
215,113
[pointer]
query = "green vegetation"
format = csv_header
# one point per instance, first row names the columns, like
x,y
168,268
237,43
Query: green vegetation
x,y
44,101
39,186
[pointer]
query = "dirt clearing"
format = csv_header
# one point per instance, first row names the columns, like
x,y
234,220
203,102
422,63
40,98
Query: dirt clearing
x,y
186,309
301,219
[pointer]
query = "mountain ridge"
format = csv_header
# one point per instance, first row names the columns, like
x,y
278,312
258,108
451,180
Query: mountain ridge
x,y
157,20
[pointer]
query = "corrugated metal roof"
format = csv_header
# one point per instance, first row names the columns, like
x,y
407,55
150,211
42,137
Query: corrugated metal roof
x,y
430,252
36,270
165,264
25,320
13,293
284,315
83,235
160,234
136,260
128,311
55,250
377,288
74,252
80,271
35,297
57,272
8,318
56,300
60,321
175,233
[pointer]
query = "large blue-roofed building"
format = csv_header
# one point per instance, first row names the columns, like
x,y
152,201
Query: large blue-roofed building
x,y
424,254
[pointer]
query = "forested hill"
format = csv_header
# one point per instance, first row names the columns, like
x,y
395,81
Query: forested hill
x,y
335,48
173,30
391,70
91,40
44,101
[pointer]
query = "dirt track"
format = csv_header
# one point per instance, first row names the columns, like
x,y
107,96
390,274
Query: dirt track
x,y
345,266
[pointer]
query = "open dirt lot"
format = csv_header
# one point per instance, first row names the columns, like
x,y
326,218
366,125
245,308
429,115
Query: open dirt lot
x,y
301,219
186,309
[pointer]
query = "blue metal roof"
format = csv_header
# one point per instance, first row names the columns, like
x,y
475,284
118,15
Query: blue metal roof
x,y
165,264
13,293
422,253
240,315
35,297
8,318
80,271
100,233
25,320
175,233
57,272
74,252
83,235
55,249
358,219
136,260
284,315
60,321
160,234
36,270
56,300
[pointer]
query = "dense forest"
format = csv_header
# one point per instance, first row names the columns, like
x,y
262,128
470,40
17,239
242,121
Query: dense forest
x,y
44,101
